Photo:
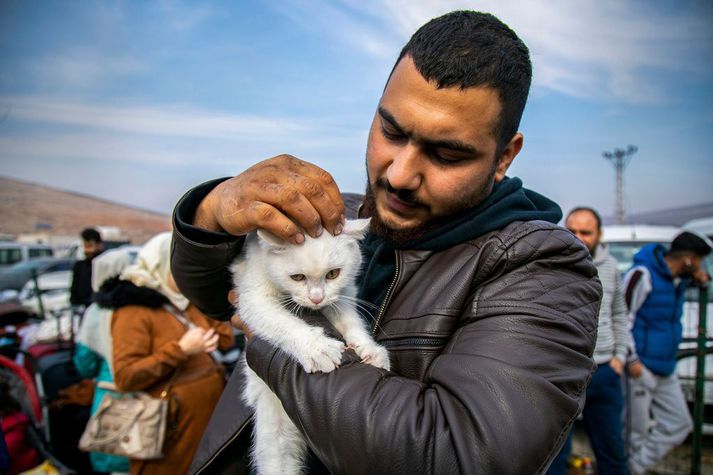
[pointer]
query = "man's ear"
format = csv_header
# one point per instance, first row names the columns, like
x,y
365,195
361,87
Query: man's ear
x,y
507,155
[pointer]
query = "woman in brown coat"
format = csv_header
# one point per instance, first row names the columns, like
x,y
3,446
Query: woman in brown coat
x,y
154,349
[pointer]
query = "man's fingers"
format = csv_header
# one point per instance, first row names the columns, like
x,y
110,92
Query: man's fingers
x,y
283,195
271,219
327,203
319,187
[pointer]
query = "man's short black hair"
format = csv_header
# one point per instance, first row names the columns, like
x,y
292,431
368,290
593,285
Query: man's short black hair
x,y
689,242
594,213
470,49
91,234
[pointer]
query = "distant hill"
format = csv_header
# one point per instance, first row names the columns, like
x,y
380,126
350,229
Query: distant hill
x,y
27,208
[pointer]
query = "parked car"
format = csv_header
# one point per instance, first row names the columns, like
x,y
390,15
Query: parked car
x,y
14,252
17,275
52,288
623,242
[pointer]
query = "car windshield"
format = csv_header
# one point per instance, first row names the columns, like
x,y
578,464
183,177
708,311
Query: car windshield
x,y
624,252
23,266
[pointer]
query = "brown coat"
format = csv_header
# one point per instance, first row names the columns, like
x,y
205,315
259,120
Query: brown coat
x,y
146,355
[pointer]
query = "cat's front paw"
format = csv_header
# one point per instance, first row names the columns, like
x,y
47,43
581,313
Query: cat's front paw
x,y
321,353
373,354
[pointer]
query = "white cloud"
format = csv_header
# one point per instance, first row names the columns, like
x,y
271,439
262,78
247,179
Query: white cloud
x,y
83,68
600,50
150,120
53,129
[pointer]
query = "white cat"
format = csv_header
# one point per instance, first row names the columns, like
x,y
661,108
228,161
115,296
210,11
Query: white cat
x,y
274,280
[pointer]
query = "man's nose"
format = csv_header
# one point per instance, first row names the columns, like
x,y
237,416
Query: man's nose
x,y
404,173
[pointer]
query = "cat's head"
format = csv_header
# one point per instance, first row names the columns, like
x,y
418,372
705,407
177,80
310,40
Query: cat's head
x,y
317,272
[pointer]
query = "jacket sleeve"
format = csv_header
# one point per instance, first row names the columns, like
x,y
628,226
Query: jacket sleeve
x,y
74,294
86,361
225,336
137,364
200,258
620,322
500,398
637,285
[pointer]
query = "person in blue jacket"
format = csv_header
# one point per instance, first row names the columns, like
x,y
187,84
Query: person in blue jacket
x,y
655,293
93,356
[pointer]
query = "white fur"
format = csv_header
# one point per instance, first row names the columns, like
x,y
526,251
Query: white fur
x,y
266,291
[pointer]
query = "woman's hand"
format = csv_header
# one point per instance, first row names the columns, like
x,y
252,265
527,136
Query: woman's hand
x,y
198,340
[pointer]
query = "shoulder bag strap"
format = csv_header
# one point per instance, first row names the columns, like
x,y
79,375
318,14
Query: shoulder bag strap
x,y
181,317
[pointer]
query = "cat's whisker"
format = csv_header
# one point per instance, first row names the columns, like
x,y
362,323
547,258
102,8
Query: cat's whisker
x,y
367,307
364,308
362,302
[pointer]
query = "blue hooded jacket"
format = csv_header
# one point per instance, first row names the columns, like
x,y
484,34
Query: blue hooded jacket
x,y
657,326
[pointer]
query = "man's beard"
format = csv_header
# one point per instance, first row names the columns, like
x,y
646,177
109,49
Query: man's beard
x,y
406,235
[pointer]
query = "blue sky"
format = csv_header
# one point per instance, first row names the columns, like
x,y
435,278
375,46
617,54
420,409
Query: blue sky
x,y
138,101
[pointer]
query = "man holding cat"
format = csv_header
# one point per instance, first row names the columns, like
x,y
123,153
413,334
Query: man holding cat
x,y
488,309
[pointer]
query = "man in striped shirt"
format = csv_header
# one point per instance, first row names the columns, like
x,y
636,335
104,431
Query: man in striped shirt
x,y
604,404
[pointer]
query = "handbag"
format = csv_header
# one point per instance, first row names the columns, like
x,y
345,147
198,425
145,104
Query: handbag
x,y
130,424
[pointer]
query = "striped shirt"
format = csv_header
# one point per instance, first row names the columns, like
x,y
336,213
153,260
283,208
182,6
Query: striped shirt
x,y
613,335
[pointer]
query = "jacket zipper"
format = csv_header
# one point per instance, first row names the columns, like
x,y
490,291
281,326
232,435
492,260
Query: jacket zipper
x,y
382,309
220,449
414,341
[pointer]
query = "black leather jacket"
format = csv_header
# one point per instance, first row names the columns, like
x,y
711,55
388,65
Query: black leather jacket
x,y
490,344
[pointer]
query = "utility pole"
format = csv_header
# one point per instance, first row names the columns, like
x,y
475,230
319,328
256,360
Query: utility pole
x,y
620,158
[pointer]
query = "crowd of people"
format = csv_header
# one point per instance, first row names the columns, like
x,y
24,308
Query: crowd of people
x,y
129,340
639,333
502,327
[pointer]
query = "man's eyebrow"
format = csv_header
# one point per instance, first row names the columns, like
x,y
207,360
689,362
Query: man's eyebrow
x,y
431,143
386,115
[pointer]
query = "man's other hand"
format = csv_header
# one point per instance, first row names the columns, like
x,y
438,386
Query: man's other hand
x,y
617,365
635,369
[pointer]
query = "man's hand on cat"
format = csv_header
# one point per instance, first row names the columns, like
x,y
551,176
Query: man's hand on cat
x,y
283,195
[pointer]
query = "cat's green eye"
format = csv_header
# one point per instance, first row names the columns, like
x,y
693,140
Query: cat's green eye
x,y
297,277
332,274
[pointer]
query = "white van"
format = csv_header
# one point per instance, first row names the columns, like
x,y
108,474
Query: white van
x,y
14,252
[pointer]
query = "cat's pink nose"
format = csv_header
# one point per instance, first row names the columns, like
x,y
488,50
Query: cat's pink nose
x,y
316,299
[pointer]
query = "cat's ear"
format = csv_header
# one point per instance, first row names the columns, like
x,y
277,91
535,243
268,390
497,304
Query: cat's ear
x,y
356,228
271,242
